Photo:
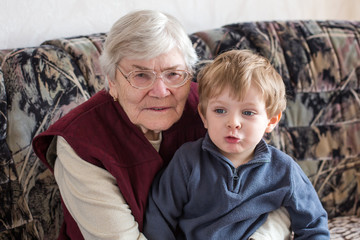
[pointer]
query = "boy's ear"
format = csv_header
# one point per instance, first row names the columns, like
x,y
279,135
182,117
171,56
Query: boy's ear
x,y
273,122
202,117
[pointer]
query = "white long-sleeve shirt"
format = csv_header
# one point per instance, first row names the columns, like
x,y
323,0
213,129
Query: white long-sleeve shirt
x,y
93,198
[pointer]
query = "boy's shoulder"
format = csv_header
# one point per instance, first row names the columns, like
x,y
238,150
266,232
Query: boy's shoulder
x,y
280,159
279,154
189,151
190,147
187,156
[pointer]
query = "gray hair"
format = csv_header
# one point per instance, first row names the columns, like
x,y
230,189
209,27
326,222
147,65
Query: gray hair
x,y
145,34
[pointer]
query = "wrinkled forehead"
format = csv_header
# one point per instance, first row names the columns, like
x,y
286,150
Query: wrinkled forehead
x,y
169,60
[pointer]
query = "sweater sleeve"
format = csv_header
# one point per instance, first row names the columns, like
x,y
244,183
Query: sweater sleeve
x,y
308,217
93,198
166,200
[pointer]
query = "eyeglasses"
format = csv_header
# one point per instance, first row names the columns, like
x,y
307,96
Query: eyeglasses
x,y
142,79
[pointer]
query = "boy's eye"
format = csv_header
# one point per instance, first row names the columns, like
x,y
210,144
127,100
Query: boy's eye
x,y
248,113
220,111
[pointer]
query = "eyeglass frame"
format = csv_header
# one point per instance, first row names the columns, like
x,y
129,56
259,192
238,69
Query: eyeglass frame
x,y
189,75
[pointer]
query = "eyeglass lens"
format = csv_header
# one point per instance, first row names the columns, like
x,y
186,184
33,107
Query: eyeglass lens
x,y
144,79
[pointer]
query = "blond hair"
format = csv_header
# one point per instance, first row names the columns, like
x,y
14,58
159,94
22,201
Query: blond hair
x,y
239,70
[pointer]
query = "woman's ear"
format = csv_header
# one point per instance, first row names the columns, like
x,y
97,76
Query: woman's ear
x,y
273,122
202,116
112,88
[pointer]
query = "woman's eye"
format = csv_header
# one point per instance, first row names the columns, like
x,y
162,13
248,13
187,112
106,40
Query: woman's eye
x,y
248,113
220,111
142,75
173,76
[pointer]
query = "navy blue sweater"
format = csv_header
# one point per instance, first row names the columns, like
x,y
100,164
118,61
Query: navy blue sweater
x,y
201,195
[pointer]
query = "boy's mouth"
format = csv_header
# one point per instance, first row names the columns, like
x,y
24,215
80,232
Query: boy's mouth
x,y
231,139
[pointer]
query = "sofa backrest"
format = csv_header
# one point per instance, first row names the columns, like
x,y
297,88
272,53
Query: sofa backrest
x,y
318,60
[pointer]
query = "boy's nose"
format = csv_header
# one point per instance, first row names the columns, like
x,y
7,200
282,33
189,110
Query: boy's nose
x,y
234,123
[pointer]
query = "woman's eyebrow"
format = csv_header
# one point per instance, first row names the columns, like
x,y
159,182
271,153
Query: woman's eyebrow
x,y
173,67
163,69
140,67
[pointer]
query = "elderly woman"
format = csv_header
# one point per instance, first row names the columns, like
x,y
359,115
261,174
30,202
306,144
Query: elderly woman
x,y
106,152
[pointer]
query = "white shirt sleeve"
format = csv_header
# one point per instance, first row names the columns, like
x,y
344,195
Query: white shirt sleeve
x,y
93,198
276,226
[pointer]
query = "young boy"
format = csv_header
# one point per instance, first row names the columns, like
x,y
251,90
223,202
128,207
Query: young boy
x,y
224,185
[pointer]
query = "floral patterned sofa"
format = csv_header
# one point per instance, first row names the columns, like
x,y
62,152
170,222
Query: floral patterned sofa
x,y
318,60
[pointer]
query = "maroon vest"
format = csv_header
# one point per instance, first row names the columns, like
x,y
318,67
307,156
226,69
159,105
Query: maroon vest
x,y
101,133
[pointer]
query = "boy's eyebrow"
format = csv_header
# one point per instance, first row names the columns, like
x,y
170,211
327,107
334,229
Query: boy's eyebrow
x,y
218,101
214,101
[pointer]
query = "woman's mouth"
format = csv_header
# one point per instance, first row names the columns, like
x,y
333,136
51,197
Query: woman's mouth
x,y
158,109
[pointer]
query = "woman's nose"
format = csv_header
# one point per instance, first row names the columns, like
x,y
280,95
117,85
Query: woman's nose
x,y
159,88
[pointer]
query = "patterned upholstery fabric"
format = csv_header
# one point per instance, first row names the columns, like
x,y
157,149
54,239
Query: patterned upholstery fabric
x,y
42,84
347,227
318,60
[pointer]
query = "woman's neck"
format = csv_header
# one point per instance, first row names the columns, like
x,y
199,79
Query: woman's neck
x,y
150,134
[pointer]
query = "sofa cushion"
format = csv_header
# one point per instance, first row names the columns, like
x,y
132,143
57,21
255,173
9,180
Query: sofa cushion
x,y
14,210
347,227
42,84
